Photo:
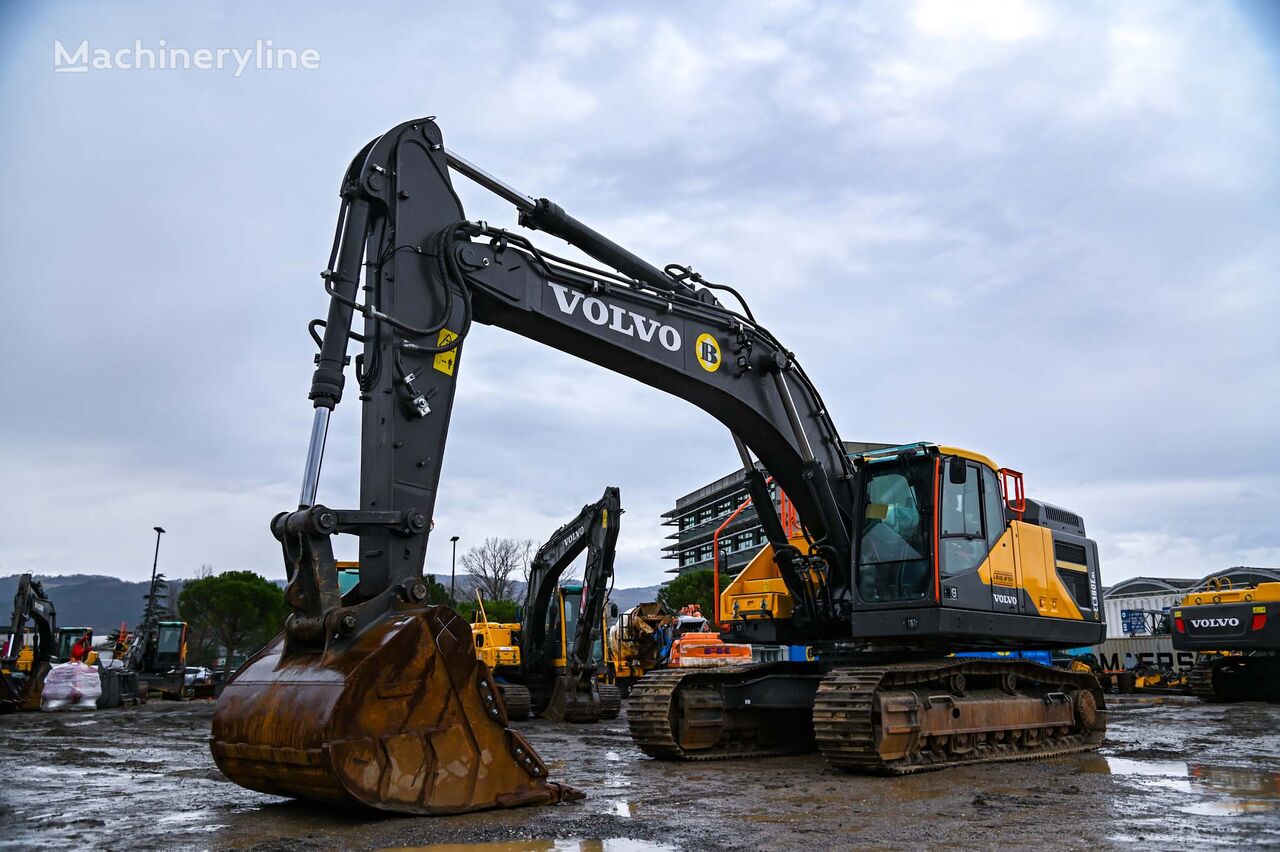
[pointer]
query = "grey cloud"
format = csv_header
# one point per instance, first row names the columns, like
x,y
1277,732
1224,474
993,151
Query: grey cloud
x,y
1043,231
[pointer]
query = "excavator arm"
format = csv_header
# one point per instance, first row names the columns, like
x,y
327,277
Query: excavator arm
x,y
430,275
595,530
20,685
574,695
32,606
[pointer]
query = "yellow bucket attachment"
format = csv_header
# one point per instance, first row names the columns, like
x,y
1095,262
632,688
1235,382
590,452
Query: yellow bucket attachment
x,y
401,718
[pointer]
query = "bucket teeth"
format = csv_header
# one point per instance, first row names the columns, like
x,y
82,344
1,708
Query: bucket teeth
x,y
403,718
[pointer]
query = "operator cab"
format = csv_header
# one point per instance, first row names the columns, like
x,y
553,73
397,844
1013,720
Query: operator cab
x,y
562,621
949,547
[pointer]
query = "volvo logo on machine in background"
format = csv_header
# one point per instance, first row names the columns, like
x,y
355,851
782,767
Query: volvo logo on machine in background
x,y
707,350
616,318
1215,622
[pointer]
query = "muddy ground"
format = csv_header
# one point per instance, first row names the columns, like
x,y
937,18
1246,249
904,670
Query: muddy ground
x,y
1173,773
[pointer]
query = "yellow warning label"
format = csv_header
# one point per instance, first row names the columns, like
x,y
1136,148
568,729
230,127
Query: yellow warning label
x,y
1000,578
446,361
707,350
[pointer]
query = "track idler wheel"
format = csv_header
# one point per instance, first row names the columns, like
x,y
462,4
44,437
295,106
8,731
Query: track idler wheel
x,y
1086,710
401,717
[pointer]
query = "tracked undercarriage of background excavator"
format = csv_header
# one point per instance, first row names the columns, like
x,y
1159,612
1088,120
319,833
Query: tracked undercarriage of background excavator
x,y
383,696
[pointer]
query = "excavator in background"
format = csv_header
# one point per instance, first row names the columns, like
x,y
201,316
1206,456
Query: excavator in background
x,y
907,557
24,665
1237,635
546,664
157,653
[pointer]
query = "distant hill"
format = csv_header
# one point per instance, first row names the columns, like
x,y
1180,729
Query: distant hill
x,y
92,600
88,600
627,598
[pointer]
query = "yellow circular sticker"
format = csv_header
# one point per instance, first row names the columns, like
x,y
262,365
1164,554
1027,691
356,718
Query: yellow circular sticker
x,y
707,350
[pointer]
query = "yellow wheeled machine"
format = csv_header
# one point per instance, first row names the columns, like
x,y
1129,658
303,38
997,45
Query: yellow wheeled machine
x,y
1237,632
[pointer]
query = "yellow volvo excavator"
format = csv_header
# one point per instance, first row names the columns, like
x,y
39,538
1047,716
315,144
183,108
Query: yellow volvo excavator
x,y
379,698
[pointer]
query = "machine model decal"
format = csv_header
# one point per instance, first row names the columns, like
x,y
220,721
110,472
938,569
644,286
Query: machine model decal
x,y
707,350
617,319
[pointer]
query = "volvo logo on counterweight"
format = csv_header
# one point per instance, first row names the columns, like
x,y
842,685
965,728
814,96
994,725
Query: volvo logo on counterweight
x,y
1215,622
616,318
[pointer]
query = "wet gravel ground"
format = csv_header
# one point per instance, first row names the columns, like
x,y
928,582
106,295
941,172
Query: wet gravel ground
x,y
1174,773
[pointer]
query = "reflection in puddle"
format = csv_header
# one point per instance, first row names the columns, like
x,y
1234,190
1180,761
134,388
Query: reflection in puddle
x,y
612,844
1249,791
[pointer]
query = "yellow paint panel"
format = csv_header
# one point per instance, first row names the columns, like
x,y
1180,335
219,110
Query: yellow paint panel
x,y
969,454
1000,568
445,362
1260,592
759,585
1034,553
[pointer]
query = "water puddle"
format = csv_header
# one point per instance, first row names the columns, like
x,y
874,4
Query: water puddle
x,y
611,844
1237,791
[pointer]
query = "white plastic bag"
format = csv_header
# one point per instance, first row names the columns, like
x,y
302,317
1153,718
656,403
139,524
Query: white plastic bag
x,y
71,686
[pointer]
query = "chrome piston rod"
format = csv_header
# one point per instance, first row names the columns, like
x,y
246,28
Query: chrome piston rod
x,y
315,455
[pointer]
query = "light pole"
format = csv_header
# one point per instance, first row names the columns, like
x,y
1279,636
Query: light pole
x,y
453,567
151,593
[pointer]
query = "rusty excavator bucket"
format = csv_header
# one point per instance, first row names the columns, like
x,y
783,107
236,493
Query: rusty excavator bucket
x,y
382,703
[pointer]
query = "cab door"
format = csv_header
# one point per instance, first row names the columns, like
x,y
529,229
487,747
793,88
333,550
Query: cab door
x,y
962,537
1001,571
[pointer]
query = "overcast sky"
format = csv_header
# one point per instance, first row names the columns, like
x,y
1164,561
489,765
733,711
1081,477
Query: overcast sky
x,y
1044,232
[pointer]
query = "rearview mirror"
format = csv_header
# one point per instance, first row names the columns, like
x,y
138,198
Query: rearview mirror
x,y
957,471
613,610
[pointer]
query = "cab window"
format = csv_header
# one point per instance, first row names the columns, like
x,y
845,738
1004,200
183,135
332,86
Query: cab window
x,y
993,506
964,545
893,543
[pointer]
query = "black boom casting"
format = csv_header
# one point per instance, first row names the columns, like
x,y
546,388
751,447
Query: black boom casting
x,y
428,276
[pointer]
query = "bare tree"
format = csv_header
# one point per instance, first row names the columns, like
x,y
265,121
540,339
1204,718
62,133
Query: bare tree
x,y
492,565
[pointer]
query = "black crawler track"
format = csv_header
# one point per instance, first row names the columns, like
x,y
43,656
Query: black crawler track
x,y
845,719
654,715
846,716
